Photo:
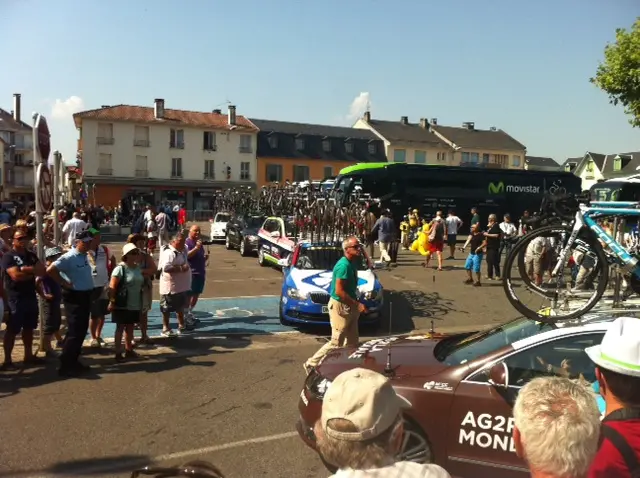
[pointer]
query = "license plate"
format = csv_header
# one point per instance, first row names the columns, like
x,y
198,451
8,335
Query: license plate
x,y
325,309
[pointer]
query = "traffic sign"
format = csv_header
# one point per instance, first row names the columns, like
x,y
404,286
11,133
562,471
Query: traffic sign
x,y
45,189
43,142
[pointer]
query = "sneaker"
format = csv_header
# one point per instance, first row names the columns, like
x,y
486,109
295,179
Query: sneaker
x,y
131,354
168,333
190,321
95,344
469,281
101,341
477,284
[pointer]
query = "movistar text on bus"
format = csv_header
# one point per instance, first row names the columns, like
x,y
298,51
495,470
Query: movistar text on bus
x,y
498,188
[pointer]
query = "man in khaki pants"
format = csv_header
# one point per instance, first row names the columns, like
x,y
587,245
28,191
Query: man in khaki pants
x,y
344,308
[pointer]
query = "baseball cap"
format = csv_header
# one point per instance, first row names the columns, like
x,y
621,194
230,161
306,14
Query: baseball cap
x,y
84,236
619,350
4,226
128,248
366,399
94,231
53,252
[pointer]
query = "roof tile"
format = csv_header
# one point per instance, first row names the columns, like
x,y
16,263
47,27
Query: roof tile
x,y
479,138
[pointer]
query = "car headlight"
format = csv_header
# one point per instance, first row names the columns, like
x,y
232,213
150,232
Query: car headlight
x,y
297,294
374,294
317,385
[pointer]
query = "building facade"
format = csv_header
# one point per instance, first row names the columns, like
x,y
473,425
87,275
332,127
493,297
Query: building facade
x,y
302,152
160,155
17,159
427,142
593,168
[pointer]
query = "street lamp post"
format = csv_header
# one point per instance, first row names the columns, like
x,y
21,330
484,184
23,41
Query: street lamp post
x,y
57,161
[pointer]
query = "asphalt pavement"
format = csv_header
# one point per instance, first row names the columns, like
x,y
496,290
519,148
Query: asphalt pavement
x,y
227,393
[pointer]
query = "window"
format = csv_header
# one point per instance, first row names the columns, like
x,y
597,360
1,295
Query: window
x,y
274,173
300,173
176,138
104,165
420,157
209,169
465,157
348,146
475,158
590,167
485,158
105,133
399,155
141,167
209,141
515,161
141,136
372,148
326,146
176,167
18,159
328,172
502,160
245,171
245,143
273,141
570,167
442,156
617,164
299,144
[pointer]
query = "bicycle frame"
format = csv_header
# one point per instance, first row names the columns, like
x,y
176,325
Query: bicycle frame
x,y
587,215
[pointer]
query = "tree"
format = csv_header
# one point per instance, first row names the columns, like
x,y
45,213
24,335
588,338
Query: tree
x,y
619,74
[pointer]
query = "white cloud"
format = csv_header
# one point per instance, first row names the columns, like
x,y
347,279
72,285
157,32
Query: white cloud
x,y
359,105
63,109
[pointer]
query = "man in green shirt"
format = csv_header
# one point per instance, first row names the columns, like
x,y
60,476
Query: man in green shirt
x,y
344,308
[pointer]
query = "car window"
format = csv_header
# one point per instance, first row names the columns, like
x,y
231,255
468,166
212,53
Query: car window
x,y
222,218
253,221
462,349
323,258
271,225
564,357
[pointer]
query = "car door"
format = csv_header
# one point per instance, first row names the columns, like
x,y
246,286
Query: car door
x,y
479,438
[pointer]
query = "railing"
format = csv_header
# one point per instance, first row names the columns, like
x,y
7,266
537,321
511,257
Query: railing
x,y
176,175
481,165
245,149
22,145
245,177
102,140
142,173
143,143
208,176
105,171
176,145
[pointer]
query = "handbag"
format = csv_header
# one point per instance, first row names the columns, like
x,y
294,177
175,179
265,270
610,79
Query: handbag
x,y
122,292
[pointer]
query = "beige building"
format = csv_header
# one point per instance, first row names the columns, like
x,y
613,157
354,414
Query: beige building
x,y
427,142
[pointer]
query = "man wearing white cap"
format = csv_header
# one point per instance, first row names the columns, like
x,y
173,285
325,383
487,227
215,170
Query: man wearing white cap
x,y
617,361
361,429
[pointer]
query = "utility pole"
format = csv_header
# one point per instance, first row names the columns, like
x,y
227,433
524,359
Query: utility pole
x,y
57,163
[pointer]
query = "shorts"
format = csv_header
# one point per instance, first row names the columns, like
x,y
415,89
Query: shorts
x,y
125,317
473,262
197,284
174,302
452,239
533,262
151,243
436,246
52,317
24,315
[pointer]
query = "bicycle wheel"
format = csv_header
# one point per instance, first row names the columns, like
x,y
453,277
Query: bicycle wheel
x,y
579,284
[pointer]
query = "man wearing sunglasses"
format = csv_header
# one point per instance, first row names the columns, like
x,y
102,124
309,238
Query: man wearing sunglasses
x,y
21,267
344,308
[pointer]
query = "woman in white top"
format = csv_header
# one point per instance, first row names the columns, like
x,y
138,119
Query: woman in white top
x,y
509,235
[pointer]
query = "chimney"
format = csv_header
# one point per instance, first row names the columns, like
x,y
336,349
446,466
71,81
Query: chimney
x,y
16,106
232,115
404,119
367,116
468,125
434,121
217,112
424,123
158,108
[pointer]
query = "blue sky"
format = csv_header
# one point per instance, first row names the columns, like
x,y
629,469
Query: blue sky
x,y
519,65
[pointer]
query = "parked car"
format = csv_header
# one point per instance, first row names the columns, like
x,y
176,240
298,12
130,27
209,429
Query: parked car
x,y
242,233
307,282
219,226
462,387
276,240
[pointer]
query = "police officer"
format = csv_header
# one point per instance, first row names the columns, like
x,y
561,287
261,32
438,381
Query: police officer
x,y
73,272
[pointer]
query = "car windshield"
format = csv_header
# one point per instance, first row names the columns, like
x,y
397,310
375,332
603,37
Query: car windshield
x,y
254,222
222,218
323,258
462,349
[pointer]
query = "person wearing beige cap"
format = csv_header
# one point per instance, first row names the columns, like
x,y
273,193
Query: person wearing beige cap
x,y
360,431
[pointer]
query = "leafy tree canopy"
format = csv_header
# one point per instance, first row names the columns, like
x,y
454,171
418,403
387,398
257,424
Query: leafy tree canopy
x,y
619,74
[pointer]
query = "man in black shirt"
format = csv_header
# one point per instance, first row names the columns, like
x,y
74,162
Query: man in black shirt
x,y
20,267
493,247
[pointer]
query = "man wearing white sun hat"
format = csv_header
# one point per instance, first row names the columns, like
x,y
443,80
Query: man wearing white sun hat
x,y
617,361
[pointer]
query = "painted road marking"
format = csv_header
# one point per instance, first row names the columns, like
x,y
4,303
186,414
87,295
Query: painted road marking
x,y
226,316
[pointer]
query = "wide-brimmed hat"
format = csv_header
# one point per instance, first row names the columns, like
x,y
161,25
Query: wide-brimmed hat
x,y
619,350
366,399
129,248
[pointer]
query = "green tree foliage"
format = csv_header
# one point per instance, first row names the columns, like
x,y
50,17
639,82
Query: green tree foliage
x,y
619,74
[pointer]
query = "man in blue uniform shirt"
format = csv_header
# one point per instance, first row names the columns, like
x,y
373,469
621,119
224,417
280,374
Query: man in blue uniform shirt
x,y
73,272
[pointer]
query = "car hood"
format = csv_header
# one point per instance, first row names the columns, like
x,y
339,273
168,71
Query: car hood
x,y
319,280
410,355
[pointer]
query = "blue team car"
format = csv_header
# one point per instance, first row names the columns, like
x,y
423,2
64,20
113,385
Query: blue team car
x,y
307,280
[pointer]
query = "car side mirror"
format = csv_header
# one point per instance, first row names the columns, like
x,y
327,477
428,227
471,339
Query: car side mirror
x,y
499,375
283,262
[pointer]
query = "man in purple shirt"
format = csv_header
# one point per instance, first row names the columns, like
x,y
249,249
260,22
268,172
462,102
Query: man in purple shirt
x,y
198,262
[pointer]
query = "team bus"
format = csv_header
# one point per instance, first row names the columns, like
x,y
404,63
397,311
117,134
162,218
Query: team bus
x,y
428,188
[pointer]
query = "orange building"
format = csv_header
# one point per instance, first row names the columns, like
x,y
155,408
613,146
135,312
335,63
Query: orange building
x,y
302,152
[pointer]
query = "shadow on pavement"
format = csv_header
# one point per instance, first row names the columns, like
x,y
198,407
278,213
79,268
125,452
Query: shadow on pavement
x,y
110,466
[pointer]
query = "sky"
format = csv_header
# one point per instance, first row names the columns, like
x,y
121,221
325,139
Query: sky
x,y
518,65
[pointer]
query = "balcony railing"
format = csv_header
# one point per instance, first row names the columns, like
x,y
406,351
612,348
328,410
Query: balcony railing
x,y
209,176
142,173
176,174
105,171
143,143
19,183
176,145
103,140
245,149
481,165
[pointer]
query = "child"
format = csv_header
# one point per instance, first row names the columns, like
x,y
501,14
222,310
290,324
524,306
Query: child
x,y
51,292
